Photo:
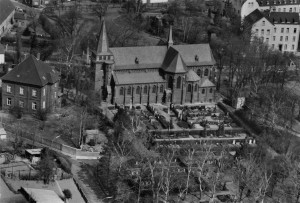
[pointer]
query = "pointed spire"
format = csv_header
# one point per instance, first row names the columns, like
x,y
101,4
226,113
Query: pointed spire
x,y
103,41
170,38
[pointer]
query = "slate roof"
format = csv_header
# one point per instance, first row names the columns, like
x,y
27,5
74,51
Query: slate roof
x,y
191,76
6,8
173,62
284,17
255,16
2,49
32,72
206,83
43,196
189,52
142,77
148,57
277,2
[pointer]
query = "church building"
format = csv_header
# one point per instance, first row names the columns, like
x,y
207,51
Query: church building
x,y
153,74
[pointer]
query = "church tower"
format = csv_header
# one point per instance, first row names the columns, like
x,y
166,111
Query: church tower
x,y
102,61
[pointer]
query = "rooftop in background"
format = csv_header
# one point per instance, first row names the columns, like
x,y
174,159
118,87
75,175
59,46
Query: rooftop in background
x,y
33,72
284,17
34,151
277,2
7,8
42,196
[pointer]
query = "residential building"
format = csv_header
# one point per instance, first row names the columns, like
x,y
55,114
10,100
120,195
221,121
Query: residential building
x,y
7,11
280,5
279,30
31,85
36,3
153,74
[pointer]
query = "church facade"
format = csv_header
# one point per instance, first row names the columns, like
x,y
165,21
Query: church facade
x,y
153,74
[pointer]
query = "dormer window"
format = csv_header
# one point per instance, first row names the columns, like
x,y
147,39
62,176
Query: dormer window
x,y
136,60
196,58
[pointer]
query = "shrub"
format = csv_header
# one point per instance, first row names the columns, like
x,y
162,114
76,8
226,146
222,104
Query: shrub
x,y
64,164
16,111
67,193
42,114
92,142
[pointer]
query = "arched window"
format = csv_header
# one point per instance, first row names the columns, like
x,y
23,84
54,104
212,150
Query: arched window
x,y
203,91
196,87
199,72
170,82
145,90
210,90
161,89
189,88
129,90
121,90
178,86
206,72
138,90
154,89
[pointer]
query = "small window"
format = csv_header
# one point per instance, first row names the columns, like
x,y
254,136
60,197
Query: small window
x,y
8,88
282,30
154,89
189,88
203,91
129,91
279,9
281,38
34,93
295,30
206,72
55,95
199,72
121,91
21,91
210,90
196,88
138,90
287,30
21,104
274,38
263,23
273,46
8,101
268,32
44,91
275,30
285,47
262,31
145,90
284,9
267,40
291,10
256,31
286,38
293,47
44,104
294,38
33,105
161,89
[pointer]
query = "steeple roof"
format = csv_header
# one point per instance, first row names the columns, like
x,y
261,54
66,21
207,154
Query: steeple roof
x,y
191,76
170,37
173,62
102,48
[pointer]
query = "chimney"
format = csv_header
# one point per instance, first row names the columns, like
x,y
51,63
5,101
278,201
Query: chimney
x,y
38,56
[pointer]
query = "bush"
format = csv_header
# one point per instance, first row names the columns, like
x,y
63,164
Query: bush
x,y
64,164
92,142
16,111
67,193
42,114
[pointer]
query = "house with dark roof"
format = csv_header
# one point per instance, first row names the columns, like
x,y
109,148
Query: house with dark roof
x,y
7,11
153,74
31,85
280,30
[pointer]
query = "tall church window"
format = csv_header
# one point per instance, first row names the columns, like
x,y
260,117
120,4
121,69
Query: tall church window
x,y
145,90
178,86
170,83
129,90
154,89
161,89
210,90
206,72
121,90
196,87
138,90
199,72
189,88
203,91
